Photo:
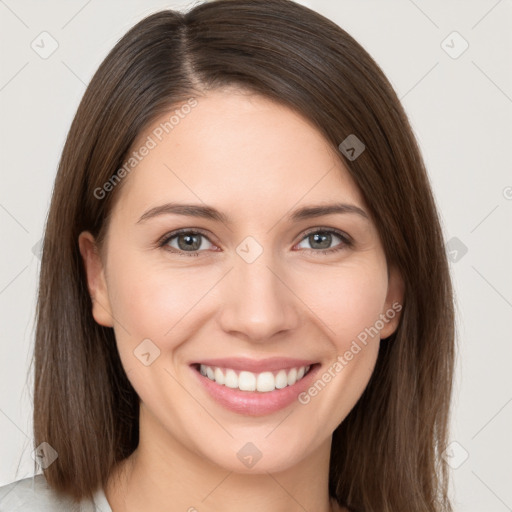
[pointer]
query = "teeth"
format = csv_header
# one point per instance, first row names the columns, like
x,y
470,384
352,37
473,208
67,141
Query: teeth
x,y
281,380
231,379
292,377
219,376
249,381
266,382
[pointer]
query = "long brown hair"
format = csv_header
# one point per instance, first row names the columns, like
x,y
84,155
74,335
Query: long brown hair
x,y
386,455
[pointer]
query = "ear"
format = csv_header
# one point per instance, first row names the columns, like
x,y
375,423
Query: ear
x,y
96,282
394,303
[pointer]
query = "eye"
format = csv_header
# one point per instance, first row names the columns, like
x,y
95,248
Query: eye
x,y
191,242
186,241
322,239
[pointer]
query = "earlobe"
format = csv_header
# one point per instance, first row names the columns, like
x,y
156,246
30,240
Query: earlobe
x,y
394,303
96,282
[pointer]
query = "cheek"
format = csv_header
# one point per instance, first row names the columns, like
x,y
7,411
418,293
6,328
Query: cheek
x,y
151,303
346,299
157,302
152,299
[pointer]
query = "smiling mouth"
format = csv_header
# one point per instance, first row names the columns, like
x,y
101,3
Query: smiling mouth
x,y
263,382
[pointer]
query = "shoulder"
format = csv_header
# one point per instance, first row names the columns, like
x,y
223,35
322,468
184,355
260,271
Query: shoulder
x,y
34,495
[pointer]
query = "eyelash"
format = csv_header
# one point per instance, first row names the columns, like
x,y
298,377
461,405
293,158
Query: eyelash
x,y
346,242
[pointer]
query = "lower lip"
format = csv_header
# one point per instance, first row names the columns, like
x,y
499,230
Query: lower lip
x,y
254,403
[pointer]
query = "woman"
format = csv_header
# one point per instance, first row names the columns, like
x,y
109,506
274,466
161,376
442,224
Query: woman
x,y
244,296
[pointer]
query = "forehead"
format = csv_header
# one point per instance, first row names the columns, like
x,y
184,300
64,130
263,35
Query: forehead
x,y
238,151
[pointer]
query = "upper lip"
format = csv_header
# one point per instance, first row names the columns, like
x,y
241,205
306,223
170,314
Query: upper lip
x,y
256,365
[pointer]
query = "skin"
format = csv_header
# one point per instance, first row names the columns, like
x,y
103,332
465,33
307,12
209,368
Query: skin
x,y
256,161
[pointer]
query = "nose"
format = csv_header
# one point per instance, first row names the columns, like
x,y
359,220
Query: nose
x,y
259,302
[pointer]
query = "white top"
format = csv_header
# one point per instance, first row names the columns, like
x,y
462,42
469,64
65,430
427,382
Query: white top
x,y
34,495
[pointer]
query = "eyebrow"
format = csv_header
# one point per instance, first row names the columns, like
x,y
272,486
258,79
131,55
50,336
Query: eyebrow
x,y
208,212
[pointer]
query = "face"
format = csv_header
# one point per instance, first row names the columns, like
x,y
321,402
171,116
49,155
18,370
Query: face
x,y
281,303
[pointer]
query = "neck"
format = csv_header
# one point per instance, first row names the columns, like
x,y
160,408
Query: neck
x,y
163,474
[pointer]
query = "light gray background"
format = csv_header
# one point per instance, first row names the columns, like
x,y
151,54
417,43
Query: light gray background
x,y
460,109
